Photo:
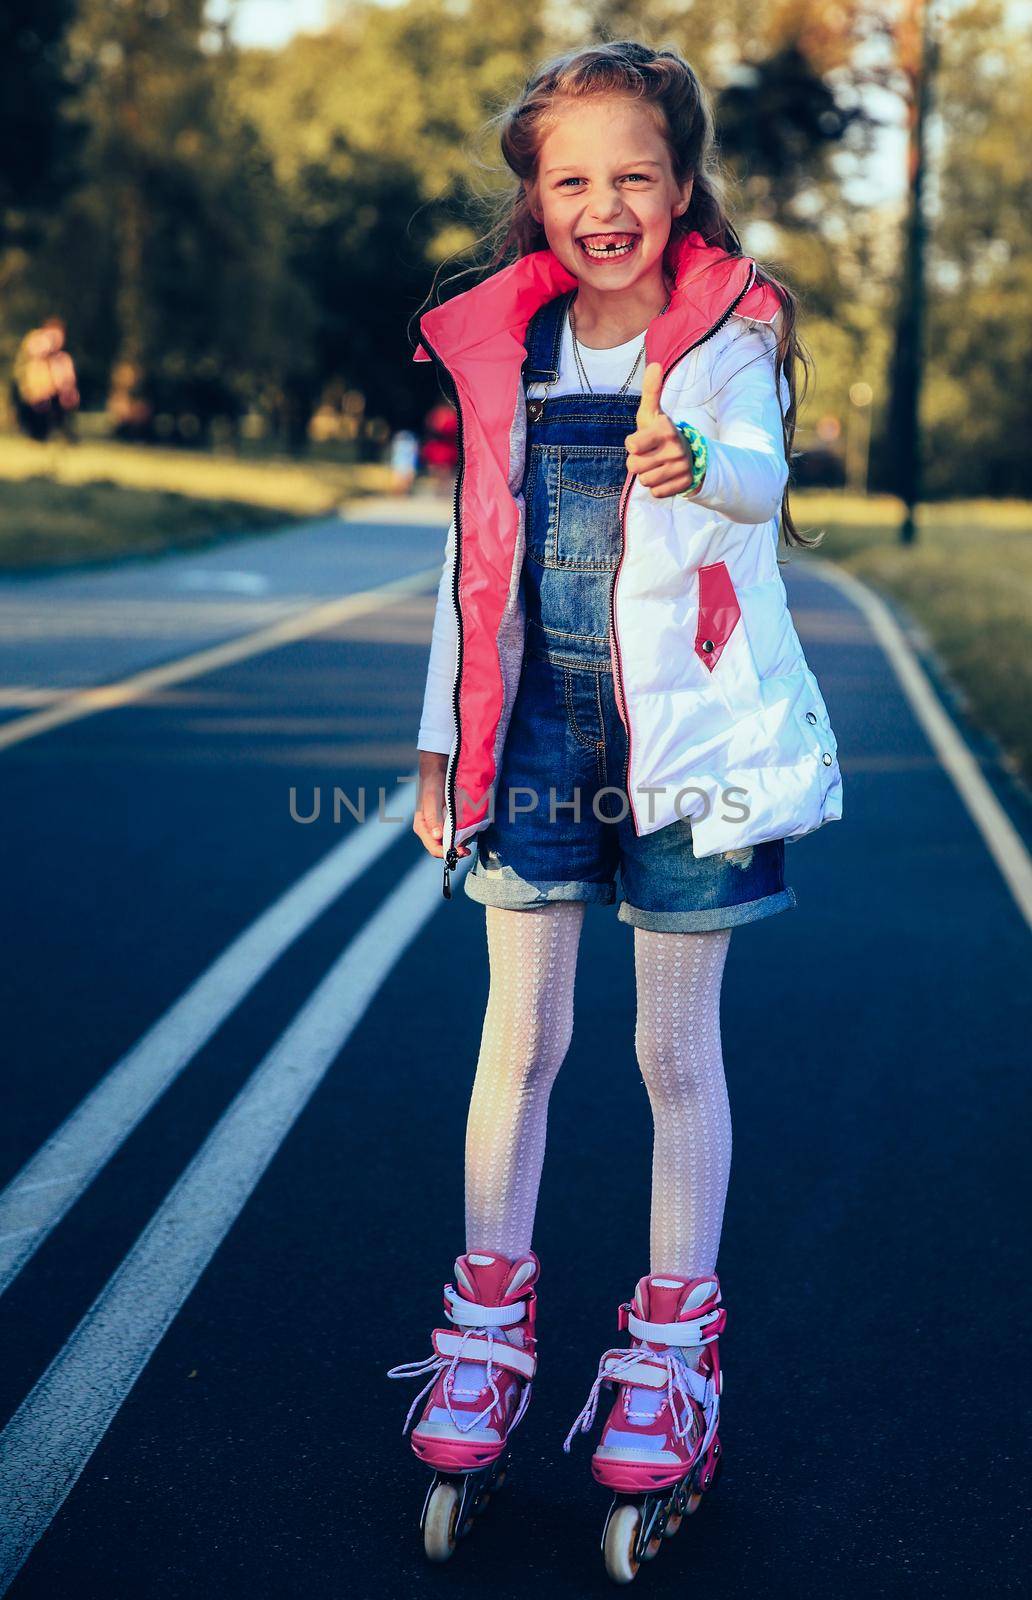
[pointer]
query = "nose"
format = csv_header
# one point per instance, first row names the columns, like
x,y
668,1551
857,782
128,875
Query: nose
x,y
607,205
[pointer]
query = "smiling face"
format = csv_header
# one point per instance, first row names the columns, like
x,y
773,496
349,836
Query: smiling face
x,y
605,190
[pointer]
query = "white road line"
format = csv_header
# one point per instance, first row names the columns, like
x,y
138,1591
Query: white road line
x,y
49,1184
109,696
1002,839
52,1435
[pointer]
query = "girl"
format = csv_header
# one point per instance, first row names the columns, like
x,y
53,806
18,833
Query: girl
x,y
614,682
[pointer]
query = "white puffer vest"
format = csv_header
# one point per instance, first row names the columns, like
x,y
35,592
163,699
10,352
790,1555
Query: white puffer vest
x,y
726,722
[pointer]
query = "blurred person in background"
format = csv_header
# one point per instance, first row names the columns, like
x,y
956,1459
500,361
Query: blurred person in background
x,y
404,460
441,446
44,390
130,413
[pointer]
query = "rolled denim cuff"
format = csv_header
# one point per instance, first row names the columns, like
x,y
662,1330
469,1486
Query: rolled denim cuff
x,y
696,443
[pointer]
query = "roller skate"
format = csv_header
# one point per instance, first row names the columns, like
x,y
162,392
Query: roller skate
x,y
479,1387
659,1450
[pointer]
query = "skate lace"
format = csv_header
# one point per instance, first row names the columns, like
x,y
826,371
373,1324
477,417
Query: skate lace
x,y
436,1364
625,1361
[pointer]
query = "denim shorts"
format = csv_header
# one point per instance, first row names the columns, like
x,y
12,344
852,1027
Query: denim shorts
x,y
554,834
566,735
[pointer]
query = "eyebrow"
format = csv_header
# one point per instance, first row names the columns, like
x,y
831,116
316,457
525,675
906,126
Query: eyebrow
x,y
574,168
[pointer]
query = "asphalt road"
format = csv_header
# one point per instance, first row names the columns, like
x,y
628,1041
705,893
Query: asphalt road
x,y
251,1213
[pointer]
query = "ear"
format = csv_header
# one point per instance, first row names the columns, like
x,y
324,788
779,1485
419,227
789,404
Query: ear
x,y
686,198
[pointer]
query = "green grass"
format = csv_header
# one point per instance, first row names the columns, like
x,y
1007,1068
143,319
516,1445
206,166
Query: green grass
x,y
54,525
62,504
967,580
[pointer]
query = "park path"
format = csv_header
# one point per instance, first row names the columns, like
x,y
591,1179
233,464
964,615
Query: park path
x,y
66,630
240,1047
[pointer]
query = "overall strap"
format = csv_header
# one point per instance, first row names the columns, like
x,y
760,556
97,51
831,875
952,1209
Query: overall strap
x,y
544,337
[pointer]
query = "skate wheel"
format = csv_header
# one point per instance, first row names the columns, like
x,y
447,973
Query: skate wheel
x,y
621,1537
653,1548
695,1496
673,1523
442,1514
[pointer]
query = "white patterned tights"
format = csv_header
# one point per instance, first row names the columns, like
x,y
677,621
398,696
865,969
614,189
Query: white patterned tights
x,y
527,1030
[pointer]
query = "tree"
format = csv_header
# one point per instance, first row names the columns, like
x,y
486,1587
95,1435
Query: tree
x,y
372,131
39,143
979,344
170,261
359,240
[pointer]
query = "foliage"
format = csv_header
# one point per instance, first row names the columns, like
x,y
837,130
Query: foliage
x,y
254,229
39,145
980,321
169,255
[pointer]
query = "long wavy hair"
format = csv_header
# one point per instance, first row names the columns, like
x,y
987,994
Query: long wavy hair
x,y
663,79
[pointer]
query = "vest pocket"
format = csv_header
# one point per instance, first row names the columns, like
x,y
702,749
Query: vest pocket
x,y
719,612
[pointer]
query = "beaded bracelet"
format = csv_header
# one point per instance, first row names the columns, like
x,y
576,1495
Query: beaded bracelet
x,y
696,443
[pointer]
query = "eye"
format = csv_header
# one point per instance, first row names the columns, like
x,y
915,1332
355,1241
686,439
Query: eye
x,y
642,177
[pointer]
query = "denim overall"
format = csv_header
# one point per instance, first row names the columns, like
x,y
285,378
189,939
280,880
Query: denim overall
x,y
553,835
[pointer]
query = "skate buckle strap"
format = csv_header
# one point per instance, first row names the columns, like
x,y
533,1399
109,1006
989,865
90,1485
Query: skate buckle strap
x,y
470,1348
471,1314
494,1354
642,1374
685,1335
654,1374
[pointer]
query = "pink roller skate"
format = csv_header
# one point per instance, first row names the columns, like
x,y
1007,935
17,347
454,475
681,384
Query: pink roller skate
x,y
659,1450
479,1389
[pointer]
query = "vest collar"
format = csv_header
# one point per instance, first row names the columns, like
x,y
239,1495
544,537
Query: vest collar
x,y
484,320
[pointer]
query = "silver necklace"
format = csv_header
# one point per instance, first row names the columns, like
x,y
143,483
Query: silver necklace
x,y
582,375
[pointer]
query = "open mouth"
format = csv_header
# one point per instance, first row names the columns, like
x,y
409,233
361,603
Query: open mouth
x,y
608,246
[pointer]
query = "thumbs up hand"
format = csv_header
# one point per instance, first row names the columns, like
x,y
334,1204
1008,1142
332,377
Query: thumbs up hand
x,y
656,452
648,406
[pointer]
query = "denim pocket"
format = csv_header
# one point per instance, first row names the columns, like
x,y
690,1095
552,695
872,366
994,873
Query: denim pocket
x,y
589,480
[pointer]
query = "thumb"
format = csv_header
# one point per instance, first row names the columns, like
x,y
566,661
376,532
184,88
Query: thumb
x,y
651,384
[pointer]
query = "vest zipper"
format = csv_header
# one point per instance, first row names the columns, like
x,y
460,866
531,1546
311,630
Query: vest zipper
x,y
622,699
451,855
